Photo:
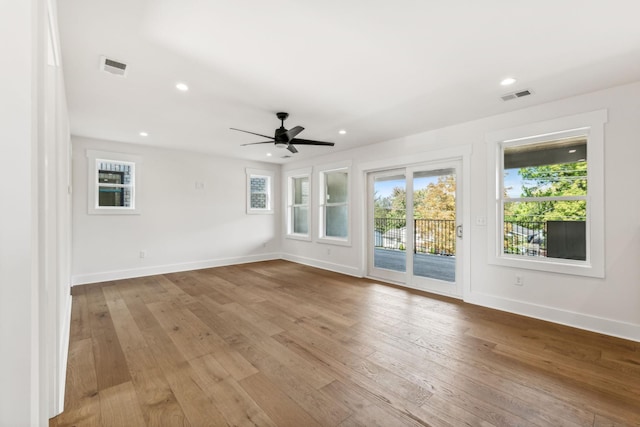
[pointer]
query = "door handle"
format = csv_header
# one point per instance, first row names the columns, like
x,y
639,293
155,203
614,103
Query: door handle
x,y
459,231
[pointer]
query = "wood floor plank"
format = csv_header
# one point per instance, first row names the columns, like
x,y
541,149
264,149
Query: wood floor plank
x,y
365,412
400,405
119,406
129,335
231,400
82,403
315,375
190,335
111,365
249,316
277,343
99,317
277,405
80,324
325,409
158,404
196,405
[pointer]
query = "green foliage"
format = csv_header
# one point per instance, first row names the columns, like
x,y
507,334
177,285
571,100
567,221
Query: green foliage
x,y
437,200
566,179
434,202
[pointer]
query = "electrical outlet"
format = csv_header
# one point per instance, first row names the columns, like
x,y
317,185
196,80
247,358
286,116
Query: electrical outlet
x,y
143,254
328,251
519,280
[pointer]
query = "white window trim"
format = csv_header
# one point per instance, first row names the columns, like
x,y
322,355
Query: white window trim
x,y
291,175
591,124
321,171
260,173
93,156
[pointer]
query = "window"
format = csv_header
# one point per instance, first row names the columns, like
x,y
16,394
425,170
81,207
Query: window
x,y
259,191
298,213
549,197
544,198
334,205
112,183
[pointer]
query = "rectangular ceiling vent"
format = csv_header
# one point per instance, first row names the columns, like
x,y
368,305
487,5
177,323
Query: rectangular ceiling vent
x,y
286,156
114,67
514,95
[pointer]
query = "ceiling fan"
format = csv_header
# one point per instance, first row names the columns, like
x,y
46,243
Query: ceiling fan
x,y
284,138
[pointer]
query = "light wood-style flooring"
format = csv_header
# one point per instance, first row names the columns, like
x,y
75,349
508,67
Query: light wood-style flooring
x,y
282,344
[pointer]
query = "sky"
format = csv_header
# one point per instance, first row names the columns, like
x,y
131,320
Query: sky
x,y
511,179
385,188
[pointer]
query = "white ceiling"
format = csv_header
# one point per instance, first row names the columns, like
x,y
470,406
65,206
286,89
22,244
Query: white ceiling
x,y
379,69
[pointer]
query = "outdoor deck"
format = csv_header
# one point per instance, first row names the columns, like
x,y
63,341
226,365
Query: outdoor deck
x,y
426,265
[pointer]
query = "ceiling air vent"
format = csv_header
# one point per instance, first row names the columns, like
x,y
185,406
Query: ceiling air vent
x,y
114,67
286,156
514,95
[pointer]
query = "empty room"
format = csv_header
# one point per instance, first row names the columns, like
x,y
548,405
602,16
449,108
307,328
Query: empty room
x,y
329,213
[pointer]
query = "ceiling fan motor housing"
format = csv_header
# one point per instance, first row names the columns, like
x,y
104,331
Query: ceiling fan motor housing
x,y
282,116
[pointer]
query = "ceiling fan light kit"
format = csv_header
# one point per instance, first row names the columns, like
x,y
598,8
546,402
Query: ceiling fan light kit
x,y
286,138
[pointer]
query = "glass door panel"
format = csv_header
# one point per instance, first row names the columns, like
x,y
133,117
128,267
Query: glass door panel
x,y
389,225
434,219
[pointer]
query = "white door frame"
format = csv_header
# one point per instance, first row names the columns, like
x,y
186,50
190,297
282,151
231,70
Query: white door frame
x,y
459,153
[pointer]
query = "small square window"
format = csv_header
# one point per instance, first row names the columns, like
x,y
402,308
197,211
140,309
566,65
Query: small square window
x,y
112,183
259,191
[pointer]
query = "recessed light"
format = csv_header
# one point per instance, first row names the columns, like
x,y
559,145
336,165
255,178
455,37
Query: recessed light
x,y
572,151
342,132
182,87
269,154
508,81
144,134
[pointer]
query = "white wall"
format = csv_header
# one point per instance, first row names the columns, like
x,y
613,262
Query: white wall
x,y
180,227
19,376
610,305
34,220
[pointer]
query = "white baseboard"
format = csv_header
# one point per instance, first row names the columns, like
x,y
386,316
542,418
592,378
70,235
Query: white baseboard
x,y
338,268
577,320
83,279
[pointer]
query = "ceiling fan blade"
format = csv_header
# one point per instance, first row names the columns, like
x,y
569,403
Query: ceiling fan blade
x,y
253,133
292,148
254,143
310,142
291,133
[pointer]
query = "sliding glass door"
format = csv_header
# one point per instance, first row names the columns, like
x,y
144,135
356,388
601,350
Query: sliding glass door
x,y
414,227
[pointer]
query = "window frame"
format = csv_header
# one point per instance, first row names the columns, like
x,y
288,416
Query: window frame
x,y
291,176
589,124
322,204
94,157
259,173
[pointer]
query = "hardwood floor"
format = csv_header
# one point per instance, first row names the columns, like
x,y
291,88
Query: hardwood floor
x,y
281,344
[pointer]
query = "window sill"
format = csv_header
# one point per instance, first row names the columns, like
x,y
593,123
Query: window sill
x,y
303,237
334,241
113,211
259,212
551,265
